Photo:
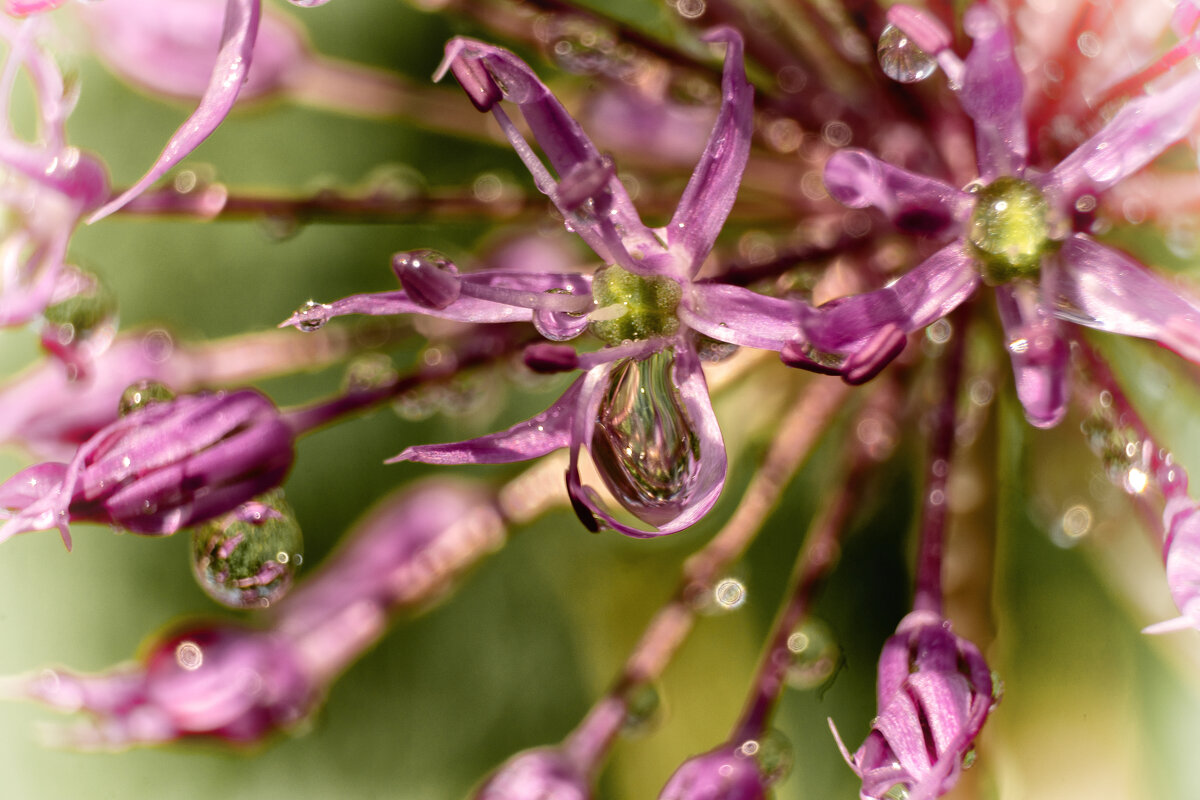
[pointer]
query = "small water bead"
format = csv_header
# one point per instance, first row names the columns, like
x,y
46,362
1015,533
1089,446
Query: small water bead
x,y
1008,231
729,593
714,350
643,444
901,59
142,394
369,371
312,316
429,278
815,655
897,792
642,706
559,326
248,557
774,753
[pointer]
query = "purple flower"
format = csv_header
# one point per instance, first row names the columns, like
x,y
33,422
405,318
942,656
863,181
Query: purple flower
x,y
205,680
1012,229
1181,553
21,8
642,408
935,692
727,773
229,72
543,774
159,468
51,184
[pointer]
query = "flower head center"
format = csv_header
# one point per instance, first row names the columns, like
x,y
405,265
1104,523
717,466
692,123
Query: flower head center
x,y
1008,231
630,307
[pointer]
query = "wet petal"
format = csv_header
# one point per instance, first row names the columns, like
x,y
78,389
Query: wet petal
x,y
921,296
1135,136
992,93
714,183
228,75
913,202
548,431
464,309
609,224
739,316
1105,289
1039,352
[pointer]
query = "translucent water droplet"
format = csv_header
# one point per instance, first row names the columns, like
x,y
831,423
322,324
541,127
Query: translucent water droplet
x,y
142,394
88,317
642,705
368,371
815,655
969,758
559,326
643,444
729,593
713,349
416,405
901,59
774,753
248,557
312,316
897,792
280,227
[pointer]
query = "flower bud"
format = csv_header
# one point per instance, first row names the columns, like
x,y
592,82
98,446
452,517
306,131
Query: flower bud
x,y
161,467
935,692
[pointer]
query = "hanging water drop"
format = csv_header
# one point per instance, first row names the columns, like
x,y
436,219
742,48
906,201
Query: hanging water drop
x,y
774,754
901,59
141,394
311,316
643,443
814,653
559,326
642,704
85,323
897,792
248,557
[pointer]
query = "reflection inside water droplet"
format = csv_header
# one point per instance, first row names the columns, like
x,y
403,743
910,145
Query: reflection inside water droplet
x,y
643,443
142,394
901,59
248,557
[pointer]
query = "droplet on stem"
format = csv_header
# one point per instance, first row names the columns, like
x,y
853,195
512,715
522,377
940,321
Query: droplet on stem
x,y
901,59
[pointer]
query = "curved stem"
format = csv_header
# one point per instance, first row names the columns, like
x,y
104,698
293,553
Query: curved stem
x,y
928,595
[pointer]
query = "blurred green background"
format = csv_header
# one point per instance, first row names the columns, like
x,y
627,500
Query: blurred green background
x,y
514,659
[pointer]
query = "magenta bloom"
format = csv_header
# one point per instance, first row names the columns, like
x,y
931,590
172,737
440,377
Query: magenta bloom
x,y
1013,229
219,681
726,773
642,408
50,185
935,692
160,468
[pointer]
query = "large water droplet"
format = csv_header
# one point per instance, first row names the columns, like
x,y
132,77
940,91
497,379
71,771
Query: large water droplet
x,y
142,394
901,59
429,278
815,654
559,326
248,557
643,444
87,319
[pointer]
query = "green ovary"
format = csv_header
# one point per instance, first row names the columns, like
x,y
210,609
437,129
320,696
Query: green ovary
x,y
1008,232
631,307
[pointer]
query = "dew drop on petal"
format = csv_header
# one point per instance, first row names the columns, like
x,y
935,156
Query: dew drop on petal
x,y
897,792
643,444
901,59
312,316
248,557
774,753
141,394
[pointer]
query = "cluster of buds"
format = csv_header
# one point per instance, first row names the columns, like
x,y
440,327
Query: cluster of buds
x,y
809,286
